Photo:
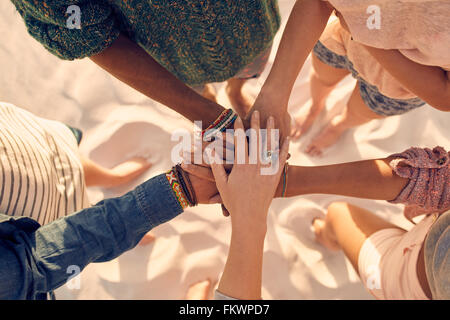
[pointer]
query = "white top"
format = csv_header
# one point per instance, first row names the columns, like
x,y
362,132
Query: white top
x,y
41,175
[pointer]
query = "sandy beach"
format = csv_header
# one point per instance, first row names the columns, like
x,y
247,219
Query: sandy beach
x,y
119,123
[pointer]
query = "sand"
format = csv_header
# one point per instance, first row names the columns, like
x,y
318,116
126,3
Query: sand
x,y
119,122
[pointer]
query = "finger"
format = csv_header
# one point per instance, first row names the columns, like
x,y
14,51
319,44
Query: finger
x,y
229,148
199,171
225,211
255,138
240,142
215,199
270,143
220,176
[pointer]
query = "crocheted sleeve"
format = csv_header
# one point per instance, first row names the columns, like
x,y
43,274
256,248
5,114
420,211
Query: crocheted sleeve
x,y
428,189
70,29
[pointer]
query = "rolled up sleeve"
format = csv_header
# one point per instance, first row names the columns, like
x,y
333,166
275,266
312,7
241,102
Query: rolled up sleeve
x,y
49,23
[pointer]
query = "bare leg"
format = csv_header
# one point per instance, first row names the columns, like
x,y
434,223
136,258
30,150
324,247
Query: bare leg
x,y
241,101
199,290
323,80
346,227
354,114
209,92
123,173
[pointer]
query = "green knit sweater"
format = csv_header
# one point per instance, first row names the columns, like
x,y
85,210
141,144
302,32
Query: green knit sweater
x,y
199,41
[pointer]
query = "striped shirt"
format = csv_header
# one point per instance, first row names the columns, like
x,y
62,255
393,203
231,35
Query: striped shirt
x,y
41,175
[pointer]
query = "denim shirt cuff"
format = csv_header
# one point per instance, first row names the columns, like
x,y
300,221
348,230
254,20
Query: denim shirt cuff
x,y
157,201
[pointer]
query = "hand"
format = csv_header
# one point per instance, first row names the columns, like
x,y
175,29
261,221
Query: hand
x,y
205,173
246,193
271,105
205,189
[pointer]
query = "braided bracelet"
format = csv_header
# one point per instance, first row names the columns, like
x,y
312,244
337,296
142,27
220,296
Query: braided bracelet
x,y
177,189
181,176
223,122
187,185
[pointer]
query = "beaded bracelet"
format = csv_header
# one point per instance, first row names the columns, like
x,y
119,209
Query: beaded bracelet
x,y
177,189
285,179
223,122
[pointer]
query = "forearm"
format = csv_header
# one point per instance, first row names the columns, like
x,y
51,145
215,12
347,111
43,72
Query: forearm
x,y
100,233
242,276
129,63
370,179
304,27
431,84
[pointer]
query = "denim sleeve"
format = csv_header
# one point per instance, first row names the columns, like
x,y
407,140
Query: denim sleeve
x,y
37,261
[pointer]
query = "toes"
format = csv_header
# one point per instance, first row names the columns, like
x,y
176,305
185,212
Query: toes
x,y
317,225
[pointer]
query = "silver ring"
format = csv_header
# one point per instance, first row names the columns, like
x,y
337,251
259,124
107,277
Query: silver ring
x,y
269,157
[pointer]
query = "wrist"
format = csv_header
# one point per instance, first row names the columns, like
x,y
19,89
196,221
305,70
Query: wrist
x,y
282,187
215,110
276,98
248,234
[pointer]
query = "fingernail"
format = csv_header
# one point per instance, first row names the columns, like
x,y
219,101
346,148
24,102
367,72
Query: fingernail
x,y
256,113
271,121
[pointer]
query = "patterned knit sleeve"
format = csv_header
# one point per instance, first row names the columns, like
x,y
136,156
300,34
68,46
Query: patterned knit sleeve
x,y
428,189
70,29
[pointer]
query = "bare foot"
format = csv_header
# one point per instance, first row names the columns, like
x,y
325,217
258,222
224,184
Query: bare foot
x,y
147,239
209,92
323,235
199,290
304,121
241,101
327,137
128,171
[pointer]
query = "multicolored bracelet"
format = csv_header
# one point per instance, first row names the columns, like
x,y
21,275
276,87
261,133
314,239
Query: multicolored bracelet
x,y
177,188
285,180
223,122
182,187
186,185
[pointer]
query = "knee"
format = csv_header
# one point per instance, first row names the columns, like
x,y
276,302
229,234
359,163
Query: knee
x,y
335,209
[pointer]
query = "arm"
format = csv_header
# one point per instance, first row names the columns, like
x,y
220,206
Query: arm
x,y
370,179
431,84
247,195
100,39
35,260
242,275
304,27
128,62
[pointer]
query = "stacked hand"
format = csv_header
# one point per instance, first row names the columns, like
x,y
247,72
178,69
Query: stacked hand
x,y
265,105
245,189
